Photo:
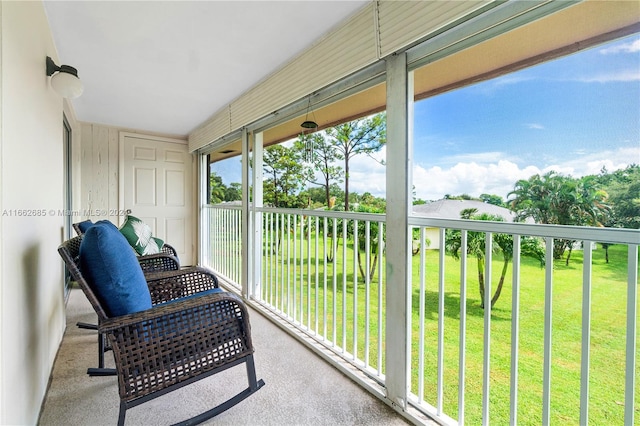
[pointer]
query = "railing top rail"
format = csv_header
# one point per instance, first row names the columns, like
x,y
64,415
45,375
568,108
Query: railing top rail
x,y
371,217
587,233
224,206
582,233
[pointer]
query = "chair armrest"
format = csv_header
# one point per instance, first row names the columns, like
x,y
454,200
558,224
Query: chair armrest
x,y
158,262
172,343
171,285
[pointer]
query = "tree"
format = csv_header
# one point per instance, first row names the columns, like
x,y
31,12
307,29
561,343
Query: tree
x,y
476,246
496,200
374,241
623,187
362,136
284,175
322,158
216,188
233,192
560,200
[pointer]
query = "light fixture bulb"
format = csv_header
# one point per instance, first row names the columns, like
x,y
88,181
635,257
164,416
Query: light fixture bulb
x,y
64,80
66,85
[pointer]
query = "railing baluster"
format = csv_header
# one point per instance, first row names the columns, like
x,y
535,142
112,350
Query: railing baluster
x,y
421,303
317,274
301,274
381,282
334,253
367,289
486,361
324,278
228,248
632,318
273,285
344,285
356,252
463,325
308,256
546,369
288,231
515,331
267,250
295,267
586,332
276,263
441,294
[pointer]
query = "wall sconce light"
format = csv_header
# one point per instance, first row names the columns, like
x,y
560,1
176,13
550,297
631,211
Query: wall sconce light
x,y
64,80
309,124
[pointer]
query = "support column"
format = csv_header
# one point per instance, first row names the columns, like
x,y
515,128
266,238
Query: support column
x,y
257,202
203,236
398,240
246,246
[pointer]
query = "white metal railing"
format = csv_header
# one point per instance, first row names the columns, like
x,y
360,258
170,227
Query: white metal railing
x,y
312,277
224,241
468,364
456,357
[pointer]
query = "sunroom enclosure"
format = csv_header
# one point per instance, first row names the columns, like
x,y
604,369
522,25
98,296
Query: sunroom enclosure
x,y
350,286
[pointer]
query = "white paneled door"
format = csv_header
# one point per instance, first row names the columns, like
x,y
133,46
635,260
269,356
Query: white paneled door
x,y
157,185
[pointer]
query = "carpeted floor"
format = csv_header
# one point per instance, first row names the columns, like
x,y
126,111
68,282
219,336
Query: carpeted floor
x,y
301,388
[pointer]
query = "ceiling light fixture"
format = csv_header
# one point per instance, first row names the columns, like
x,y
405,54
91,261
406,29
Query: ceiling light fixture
x,y
64,80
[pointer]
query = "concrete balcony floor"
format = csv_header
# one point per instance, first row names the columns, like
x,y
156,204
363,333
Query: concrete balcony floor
x,y
301,388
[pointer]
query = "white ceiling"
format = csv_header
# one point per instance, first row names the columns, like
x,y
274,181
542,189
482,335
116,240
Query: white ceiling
x,y
168,66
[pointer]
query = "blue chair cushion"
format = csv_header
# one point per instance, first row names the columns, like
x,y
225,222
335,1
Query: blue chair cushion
x,y
84,225
112,270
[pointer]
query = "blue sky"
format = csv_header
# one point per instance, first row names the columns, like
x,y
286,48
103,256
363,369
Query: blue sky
x,y
573,115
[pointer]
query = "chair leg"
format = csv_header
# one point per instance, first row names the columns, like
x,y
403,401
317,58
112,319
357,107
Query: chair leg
x,y
101,371
251,374
121,414
87,326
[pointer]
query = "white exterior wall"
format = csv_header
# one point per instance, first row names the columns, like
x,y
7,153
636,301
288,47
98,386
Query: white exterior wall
x,y
32,315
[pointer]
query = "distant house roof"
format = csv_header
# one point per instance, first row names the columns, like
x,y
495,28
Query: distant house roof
x,y
450,209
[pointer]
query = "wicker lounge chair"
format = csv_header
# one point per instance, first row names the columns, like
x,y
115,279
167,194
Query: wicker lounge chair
x,y
199,332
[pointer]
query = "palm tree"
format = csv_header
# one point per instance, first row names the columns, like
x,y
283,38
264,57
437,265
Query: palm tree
x,y
530,247
559,200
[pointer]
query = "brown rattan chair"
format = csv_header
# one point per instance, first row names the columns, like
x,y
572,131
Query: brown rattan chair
x,y
171,345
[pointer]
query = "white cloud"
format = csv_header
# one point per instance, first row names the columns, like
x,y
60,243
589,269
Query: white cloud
x,y
629,47
620,76
534,126
469,178
590,164
498,177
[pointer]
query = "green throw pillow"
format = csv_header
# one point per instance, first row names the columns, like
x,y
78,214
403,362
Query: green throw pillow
x,y
138,234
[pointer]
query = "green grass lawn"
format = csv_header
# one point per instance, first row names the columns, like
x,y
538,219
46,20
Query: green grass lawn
x,y
608,325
